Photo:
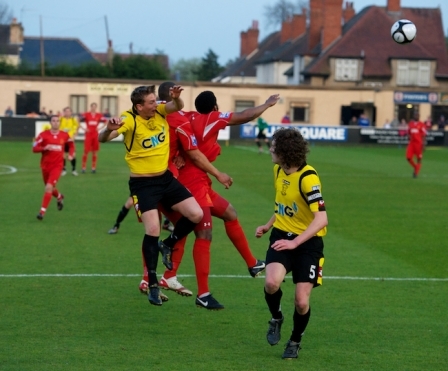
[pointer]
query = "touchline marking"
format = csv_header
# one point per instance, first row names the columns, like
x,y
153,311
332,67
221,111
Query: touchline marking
x,y
222,276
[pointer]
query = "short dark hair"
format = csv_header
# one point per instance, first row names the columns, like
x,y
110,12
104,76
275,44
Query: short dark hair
x,y
205,102
164,90
290,147
139,94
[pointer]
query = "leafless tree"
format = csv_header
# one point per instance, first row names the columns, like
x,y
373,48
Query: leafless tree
x,y
5,13
282,10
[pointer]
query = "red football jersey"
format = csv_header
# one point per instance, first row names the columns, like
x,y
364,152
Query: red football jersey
x,y
416,132
52,147
182,137
206,129
92,121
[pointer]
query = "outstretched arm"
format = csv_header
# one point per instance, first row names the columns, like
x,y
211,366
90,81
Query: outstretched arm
x,y
110,131
250,114
176,103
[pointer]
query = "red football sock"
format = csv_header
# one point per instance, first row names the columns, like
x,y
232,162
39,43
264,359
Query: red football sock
x,y
176,258
417,168
94,158
201,257
84,161
45,202
239,240
413,164
56,193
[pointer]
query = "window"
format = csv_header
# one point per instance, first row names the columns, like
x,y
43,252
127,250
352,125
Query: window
x,y
109,103
413,73
241,105
78,103
300,112
347,70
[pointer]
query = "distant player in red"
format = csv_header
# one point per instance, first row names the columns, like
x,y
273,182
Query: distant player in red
x,y
51,144
417,133
93,123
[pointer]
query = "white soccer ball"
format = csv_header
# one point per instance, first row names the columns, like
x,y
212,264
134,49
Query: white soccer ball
x,y
403,31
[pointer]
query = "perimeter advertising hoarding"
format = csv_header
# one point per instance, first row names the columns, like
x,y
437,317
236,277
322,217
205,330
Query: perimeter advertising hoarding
x,y
392,136
311,133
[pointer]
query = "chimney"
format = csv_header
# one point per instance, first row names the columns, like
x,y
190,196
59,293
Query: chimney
x,y
16,32
348,12
249,40
332,22
393,6
293,28
316,23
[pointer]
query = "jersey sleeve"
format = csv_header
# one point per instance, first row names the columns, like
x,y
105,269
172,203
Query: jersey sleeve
x,y
311,190
186,137
161,109
128,123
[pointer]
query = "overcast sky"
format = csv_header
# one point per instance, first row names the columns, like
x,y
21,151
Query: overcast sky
x,y
179,28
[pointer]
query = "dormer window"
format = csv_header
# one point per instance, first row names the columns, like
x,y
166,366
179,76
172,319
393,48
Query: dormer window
x,y
346,69
413,73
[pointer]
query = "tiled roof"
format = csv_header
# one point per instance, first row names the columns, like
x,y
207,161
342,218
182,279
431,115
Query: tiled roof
x,y
367,36
57,51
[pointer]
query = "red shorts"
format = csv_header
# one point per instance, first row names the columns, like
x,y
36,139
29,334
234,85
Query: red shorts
x,y
91,142
51,175
414,149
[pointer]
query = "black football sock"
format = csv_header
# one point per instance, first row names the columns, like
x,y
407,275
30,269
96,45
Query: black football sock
x,y
300,323
121,215
150,249
73,162
64,165
182,228
273,302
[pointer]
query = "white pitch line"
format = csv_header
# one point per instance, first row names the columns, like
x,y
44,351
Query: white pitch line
x,y
223,276
9,170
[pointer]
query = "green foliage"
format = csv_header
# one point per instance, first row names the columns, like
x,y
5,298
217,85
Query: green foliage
x,y
69,297
134,67
186,69
209,67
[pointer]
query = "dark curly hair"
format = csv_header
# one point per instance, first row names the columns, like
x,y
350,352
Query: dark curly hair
x,y
205,102
290,147
164,90
140,93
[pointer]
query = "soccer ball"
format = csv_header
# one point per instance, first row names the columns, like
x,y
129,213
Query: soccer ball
x,y
403,31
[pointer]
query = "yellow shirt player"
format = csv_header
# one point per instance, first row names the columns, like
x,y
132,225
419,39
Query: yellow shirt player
x,y
295,244
146,139
70,125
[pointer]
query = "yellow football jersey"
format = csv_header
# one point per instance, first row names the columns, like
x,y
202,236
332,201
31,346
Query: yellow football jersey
x,y
69,125
147,142
297,197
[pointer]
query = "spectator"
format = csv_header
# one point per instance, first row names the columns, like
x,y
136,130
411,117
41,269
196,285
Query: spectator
x,y
363,120
395,123
106,113
387,124
403,128
32,114
428,123
442,123
9,112
43,113
353,121
286,119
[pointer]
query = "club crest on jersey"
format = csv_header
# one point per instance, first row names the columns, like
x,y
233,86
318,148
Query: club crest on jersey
x,y
124,117
285,186
224,115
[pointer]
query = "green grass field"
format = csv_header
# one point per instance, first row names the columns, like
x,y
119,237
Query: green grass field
x,y
69,296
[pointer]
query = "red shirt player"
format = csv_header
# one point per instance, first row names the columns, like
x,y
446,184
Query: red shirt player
x,y
206,125
51,144
417,133
92,125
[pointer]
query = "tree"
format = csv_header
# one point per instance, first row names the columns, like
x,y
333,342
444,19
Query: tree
x,y
138,67
186,69
5,13
209,67
282,10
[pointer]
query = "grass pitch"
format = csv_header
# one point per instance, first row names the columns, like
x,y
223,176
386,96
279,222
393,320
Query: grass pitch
x,y
69,291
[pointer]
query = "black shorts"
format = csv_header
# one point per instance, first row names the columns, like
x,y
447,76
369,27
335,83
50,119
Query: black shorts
x,y
261,135
305,262
148,192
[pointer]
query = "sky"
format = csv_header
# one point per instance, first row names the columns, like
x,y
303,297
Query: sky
x,y
181,29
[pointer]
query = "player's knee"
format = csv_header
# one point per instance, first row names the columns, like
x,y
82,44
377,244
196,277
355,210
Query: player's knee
x,y
204,234
271,285
196,215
